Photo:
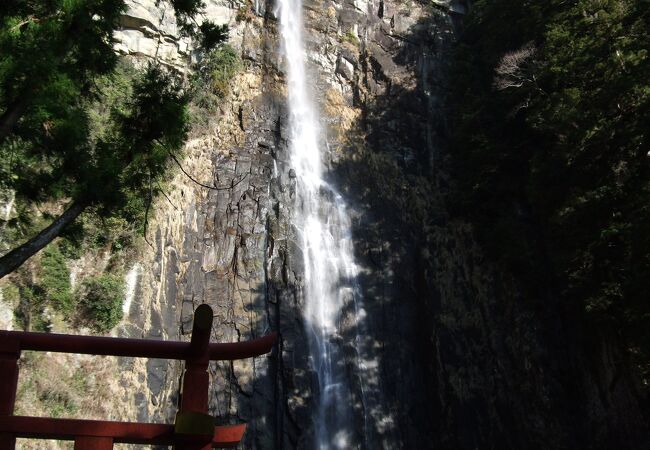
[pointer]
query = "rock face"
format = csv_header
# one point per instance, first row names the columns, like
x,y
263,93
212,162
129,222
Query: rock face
x,y
458,359
148,30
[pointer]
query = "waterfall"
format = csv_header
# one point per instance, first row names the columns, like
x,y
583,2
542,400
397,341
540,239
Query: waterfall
x,y
323,225
130,282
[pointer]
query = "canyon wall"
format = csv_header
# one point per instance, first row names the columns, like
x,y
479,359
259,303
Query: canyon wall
x,y
235,249
454,356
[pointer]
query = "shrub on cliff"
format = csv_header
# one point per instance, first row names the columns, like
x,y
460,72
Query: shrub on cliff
x,y
55,281
211,81
100,302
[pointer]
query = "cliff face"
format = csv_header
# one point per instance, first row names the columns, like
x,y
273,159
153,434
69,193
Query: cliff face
x,y
235,248
453,356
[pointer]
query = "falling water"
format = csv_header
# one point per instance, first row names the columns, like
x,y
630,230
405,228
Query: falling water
x,y
324,228
75,269
131,282
9,206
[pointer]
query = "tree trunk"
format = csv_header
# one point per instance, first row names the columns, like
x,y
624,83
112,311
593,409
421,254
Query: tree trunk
x,y
11,116
15,258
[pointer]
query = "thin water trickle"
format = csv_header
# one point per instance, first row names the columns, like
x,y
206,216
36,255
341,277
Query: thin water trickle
x,y
8,209
75,269
323,223
131,283
9,206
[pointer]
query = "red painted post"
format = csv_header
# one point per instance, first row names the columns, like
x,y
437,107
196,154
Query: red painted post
x,y
196,381
7,441
138,348
194,428
225,436
93,443
9,355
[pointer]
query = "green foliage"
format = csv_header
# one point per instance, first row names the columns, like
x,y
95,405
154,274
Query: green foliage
x,y
92,232
58,403
55,281
100,300
207,33
10,294
36,299
551,150
350,38
211,82
212,35
113,92
53,386
132,122
222,64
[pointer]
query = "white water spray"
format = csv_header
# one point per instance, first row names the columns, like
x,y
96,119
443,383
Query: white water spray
x,y
324,226
131,282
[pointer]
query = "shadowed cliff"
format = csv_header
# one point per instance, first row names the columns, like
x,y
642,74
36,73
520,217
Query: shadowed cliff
x,y
469,359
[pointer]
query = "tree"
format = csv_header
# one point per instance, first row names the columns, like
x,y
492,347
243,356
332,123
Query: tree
x,y
100,300
53,58
55,280
551,152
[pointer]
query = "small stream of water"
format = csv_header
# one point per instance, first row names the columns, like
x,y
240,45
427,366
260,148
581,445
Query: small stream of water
x,y
131,283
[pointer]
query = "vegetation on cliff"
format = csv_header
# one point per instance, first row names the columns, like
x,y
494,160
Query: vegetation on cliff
x,y
74,126
211,81
87,141
100,301
552,157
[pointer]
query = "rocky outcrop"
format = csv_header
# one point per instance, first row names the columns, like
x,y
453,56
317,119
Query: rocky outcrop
x,y
225,246
148,31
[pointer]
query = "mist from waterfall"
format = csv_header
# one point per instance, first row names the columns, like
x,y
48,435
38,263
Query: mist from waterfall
x,y
324,232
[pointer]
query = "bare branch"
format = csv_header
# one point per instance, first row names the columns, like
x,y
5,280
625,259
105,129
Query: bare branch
x,y
162,191
513,70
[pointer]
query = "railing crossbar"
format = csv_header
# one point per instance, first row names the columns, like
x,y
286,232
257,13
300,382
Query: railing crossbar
x,y
120,432
138,348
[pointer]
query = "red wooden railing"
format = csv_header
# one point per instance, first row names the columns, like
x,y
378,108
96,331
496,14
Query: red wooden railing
x,y
193,428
